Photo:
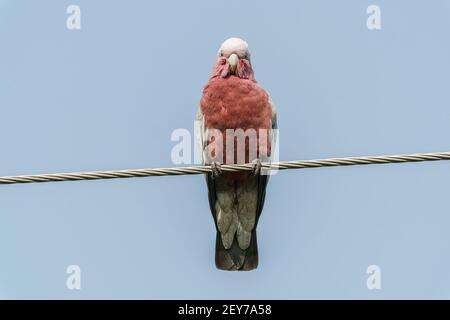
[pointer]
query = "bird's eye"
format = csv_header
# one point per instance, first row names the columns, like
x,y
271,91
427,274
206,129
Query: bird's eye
x,y
221,53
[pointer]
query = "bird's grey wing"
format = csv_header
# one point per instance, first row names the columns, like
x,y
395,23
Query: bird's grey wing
x,y
221,196
274,127
201,145
200,135
264,179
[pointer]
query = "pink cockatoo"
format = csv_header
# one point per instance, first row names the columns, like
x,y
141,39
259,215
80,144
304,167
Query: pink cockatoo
x,y
232,99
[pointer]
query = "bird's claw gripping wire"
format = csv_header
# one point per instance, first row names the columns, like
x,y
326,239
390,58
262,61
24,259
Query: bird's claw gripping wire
x,y
216,169
257,165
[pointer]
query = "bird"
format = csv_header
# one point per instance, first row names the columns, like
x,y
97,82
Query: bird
x,y
233,100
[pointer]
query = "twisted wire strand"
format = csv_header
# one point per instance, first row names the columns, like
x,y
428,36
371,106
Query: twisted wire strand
x,y
283,165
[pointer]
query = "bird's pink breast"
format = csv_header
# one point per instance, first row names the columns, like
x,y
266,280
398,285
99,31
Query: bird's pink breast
x,y
235,103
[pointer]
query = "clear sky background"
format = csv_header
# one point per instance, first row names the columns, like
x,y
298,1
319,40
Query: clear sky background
x,y
108,96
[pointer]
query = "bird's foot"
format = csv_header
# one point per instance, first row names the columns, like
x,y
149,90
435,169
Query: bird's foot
x,y
216,169
257,165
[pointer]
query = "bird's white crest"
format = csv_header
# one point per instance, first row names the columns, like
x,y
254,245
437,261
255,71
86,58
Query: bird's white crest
x,y
234,45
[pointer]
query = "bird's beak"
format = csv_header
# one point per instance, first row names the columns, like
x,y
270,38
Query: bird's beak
x,y
233,62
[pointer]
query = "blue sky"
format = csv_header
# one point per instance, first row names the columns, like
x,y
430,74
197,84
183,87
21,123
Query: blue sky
x,y
108,96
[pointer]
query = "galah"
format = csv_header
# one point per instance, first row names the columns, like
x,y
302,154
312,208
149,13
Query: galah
x,y
232,99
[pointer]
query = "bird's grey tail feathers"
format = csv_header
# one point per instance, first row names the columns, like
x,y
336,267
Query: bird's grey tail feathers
x,y
235,258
